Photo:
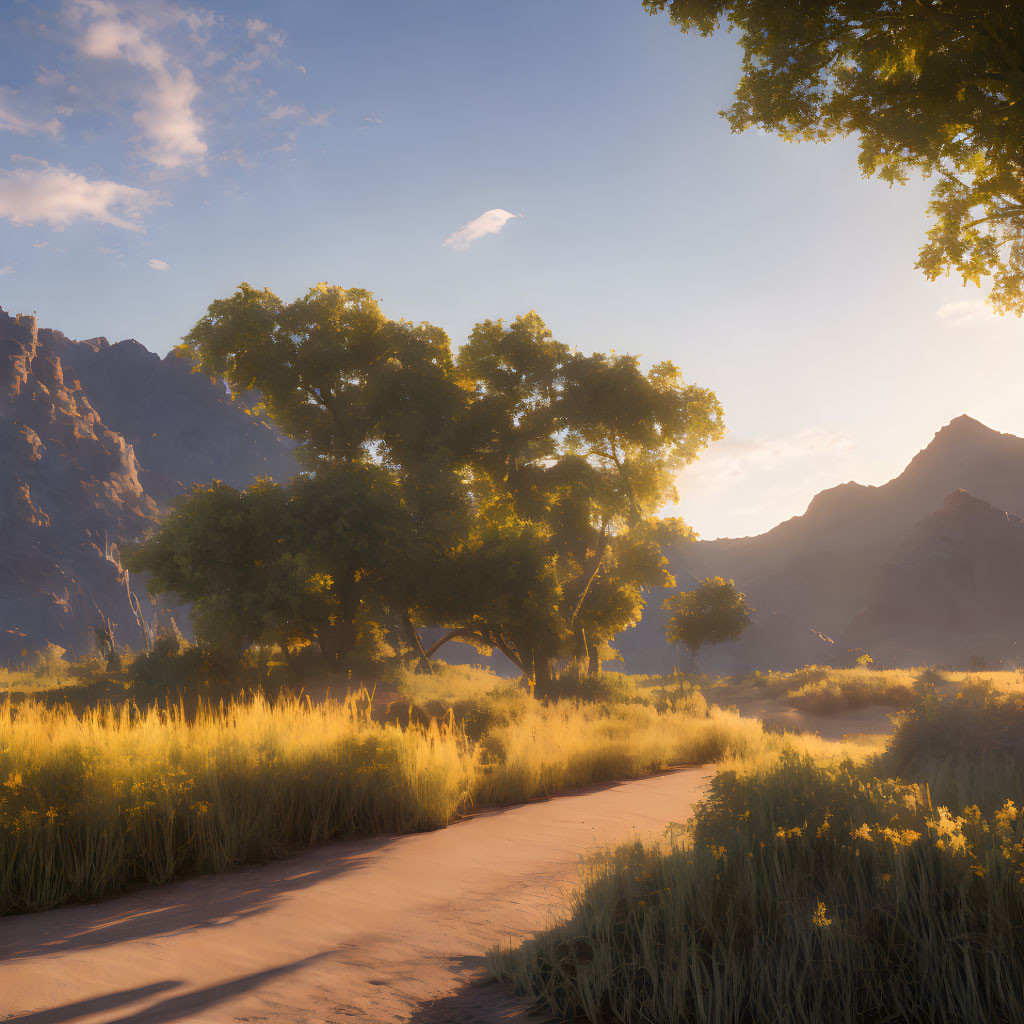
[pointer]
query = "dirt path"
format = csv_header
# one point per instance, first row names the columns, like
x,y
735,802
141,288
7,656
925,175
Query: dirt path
x,y
376,930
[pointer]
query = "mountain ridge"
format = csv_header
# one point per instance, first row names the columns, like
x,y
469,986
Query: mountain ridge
x,y
95,441
814,573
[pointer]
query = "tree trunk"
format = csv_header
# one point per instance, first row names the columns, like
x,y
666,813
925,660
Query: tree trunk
x,y
541,671
595,660
337,643
412,637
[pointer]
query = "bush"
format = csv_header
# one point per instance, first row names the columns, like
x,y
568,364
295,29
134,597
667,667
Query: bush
x,y
173,671
801,894
572,682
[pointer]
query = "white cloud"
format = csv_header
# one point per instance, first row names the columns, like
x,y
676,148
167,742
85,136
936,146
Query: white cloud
x,y
740,487
166,116
12,122
158,265
280,112
48,76
59,196
489,223
965,311
299,113
300,67
258,29
730,461
6,270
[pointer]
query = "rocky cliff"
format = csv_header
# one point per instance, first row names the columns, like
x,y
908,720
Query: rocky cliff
x,y
96,439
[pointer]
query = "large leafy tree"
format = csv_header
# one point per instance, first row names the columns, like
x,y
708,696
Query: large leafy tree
x,y
345,548
586,450
509,494
932,86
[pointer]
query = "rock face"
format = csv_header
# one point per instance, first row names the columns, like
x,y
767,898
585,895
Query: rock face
x,y
811,577
81,425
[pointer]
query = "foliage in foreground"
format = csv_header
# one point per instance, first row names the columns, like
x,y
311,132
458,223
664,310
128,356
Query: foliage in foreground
x,y
932,87
93,803
804,893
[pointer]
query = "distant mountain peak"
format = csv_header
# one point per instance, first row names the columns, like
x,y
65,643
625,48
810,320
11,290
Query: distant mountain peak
x,y
965,427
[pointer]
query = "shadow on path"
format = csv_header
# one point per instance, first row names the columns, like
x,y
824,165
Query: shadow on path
x,y
171,1009
99,1004
478,1000
184,905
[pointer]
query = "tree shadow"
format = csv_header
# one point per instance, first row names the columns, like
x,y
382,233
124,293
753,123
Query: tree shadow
x,y
98,1004
208,901
167,1010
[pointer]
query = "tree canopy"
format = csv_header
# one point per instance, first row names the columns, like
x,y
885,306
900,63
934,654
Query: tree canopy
x,y
715,612
507,493
931,86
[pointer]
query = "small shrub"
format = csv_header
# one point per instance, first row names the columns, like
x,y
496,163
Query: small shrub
x,y
172,671
572,682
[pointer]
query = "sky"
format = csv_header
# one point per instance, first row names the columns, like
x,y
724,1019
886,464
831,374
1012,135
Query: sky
x,y
470,160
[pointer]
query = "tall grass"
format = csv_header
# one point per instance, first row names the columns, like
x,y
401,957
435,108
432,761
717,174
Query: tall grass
x,y
824,689
95,802
806,892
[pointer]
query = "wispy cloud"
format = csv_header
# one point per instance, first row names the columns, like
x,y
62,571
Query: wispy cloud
x,y
742,486
285,111
166,117
729,462
59,196
965,311
158,265
298,113
488,223
20,125
258,29
6,270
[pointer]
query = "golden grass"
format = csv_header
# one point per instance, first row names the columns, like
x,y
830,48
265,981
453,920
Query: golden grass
x,y
822,689
806,891
92,803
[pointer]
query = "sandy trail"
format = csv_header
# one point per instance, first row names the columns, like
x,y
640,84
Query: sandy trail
x,y
376,930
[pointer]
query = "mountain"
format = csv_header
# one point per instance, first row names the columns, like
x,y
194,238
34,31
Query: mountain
x,y
183,426
95,441
953,593
812,575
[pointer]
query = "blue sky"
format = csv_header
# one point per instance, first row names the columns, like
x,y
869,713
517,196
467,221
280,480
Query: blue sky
x,y
154,155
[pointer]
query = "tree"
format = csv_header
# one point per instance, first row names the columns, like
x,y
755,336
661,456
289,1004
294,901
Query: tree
x,y
587,450
931,86
713,613
336,556
509,494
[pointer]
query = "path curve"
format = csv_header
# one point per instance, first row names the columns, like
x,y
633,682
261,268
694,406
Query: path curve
x,y
372,930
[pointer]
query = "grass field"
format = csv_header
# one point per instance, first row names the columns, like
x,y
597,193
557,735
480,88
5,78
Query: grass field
x,y
96,801
892,890
823,689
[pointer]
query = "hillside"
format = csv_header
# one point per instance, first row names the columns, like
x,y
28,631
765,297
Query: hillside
x,y
812,575
96,439
953,592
